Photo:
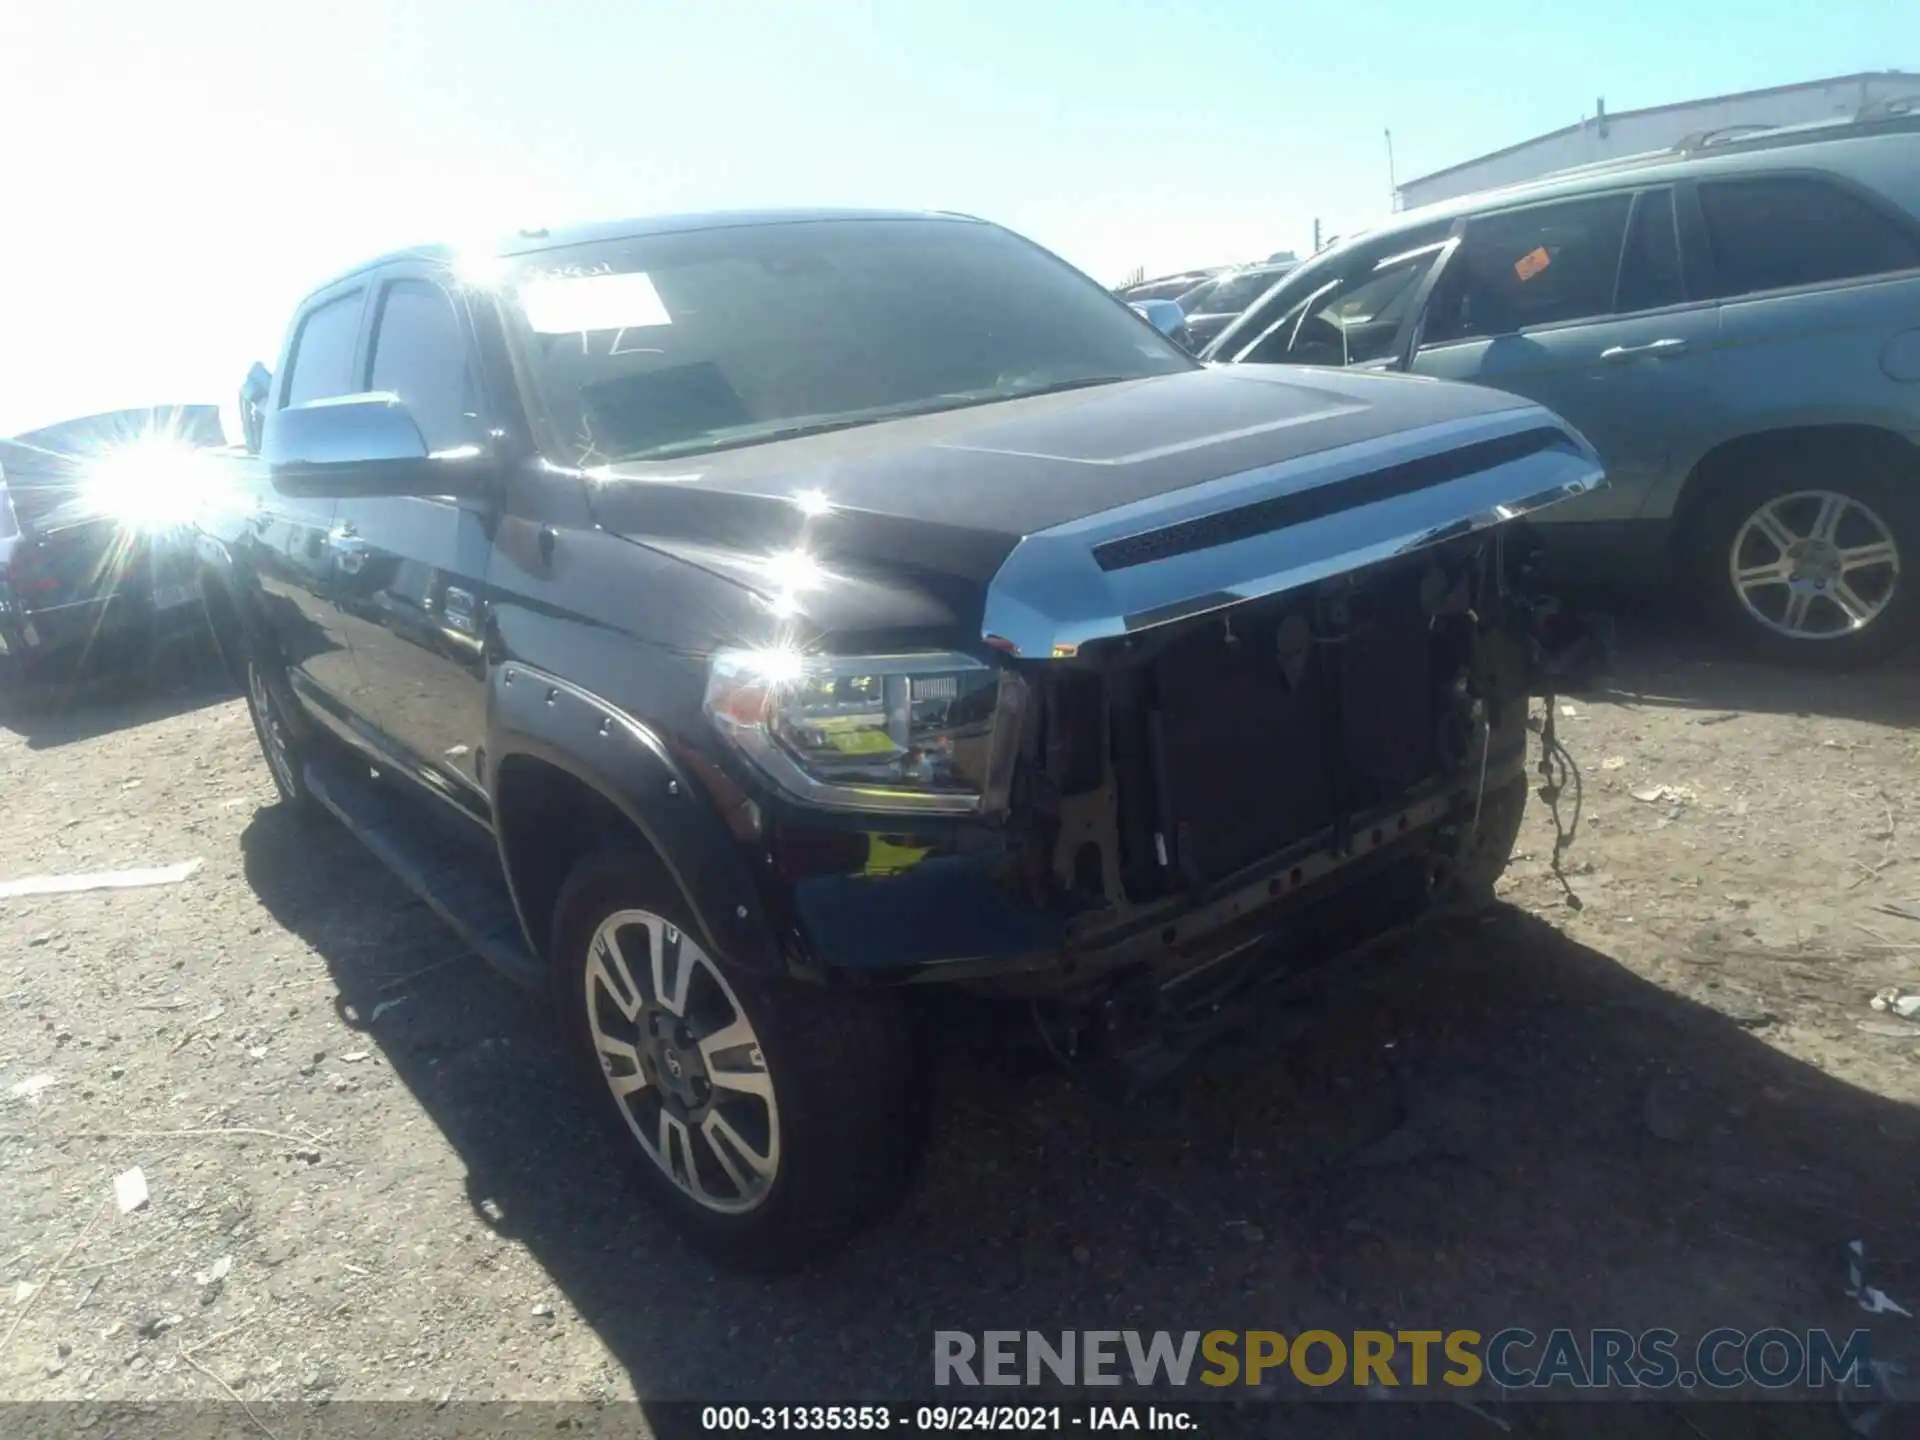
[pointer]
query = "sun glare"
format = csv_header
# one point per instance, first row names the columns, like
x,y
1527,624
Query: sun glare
x,y
479,269
150,485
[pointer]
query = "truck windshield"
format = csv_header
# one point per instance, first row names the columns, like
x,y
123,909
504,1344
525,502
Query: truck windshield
x,y
670,345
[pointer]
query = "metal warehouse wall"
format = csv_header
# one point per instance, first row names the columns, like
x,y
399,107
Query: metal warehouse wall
x,y
1632,131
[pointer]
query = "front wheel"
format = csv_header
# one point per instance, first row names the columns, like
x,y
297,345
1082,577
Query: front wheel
x,y
1805,563
280,743
769,1118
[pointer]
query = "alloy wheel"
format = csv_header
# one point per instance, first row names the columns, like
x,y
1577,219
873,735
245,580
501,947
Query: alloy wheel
x,y
682,1062
1814,565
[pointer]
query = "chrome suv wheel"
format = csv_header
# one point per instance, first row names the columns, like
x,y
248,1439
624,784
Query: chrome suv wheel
x,y
768,1117
1804,561
1814,565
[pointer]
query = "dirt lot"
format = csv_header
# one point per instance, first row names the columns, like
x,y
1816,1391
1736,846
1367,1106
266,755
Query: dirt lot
x,y
1669,1106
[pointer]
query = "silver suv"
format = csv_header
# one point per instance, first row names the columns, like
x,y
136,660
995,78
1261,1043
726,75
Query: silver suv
x,y
1734,325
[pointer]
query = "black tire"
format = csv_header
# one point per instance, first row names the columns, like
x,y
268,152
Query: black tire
x,y
840,1122
271,707
1788,486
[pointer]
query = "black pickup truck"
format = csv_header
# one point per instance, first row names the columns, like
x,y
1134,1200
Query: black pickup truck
x,y
735,625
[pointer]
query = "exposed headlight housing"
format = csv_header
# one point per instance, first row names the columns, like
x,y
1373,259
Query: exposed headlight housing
x,y
927,733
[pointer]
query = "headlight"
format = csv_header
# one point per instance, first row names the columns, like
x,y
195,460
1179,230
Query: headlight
x,y
932,734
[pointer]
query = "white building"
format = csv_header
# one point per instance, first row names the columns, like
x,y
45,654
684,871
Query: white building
x,y
1604,136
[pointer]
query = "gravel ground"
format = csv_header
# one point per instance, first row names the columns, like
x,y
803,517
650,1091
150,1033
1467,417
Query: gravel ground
x,y
1671,1105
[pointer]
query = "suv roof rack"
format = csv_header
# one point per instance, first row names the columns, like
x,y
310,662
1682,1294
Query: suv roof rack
x,y
1597,167
1892,107
1721,135
1899,111
1902,111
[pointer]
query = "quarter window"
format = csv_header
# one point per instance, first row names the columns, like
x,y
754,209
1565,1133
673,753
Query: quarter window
x,y
1790,230
322,364
1544,265
420,354
1650,269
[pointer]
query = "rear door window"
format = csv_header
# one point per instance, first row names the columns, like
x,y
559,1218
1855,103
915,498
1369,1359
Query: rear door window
x,y
1790,230
1650,269
1545,265
322,364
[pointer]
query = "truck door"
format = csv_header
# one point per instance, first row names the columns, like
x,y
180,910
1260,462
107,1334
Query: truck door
x,y
291,542
412,582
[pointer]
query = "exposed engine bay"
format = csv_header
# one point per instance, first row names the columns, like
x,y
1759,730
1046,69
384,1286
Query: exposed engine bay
x,y
1222,800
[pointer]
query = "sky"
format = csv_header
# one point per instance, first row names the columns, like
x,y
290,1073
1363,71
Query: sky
x,y
177,175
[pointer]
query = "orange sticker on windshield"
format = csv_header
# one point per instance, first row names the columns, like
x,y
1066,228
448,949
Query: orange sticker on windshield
x,y
1532,263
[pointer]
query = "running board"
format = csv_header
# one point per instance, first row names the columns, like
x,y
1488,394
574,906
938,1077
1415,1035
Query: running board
x,y
460,883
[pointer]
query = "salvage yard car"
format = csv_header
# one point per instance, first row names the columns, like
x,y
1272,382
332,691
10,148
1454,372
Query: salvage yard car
x,y
1212,305
1735,324
96,562
730,624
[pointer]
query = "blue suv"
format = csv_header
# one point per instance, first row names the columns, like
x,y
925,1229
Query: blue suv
x,y
1734,325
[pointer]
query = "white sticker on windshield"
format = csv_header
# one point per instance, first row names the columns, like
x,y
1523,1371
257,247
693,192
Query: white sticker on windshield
x,y
561,305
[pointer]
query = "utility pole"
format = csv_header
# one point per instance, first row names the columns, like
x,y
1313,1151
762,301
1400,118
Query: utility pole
x,y
1316,234
1393,186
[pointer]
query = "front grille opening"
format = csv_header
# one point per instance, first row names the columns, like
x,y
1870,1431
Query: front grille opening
x,y
1076,728
1250,731
1089,876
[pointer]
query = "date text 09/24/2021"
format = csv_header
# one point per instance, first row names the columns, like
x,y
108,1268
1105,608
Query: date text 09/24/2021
x,y
1046,1419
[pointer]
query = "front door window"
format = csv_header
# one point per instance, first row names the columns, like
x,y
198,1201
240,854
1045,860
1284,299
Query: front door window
x,y
1544,265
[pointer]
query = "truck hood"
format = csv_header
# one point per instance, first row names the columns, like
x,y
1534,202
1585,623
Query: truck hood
x,y
1042,523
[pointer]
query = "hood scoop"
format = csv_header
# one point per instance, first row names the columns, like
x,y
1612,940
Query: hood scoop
x,y
1263,532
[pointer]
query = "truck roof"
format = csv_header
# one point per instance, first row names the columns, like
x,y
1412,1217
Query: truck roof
x,y
534,239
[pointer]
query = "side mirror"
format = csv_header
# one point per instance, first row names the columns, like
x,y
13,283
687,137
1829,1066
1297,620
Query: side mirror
x,y
254,391
364,445
1167,317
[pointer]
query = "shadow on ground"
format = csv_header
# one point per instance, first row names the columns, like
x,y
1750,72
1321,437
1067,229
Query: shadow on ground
x,y
1668,657
1579,1148
76,705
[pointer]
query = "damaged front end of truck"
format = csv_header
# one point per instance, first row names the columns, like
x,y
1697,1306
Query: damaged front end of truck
x,y
1328,741
1239,727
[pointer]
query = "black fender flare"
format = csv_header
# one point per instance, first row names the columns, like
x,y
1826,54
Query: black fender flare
x,y
543,717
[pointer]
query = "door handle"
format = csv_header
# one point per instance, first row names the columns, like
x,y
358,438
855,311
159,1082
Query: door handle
x,y
349,550
458,607
1653,348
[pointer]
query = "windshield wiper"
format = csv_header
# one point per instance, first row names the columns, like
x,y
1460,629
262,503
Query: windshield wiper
x,y
1085,382
933,406
704,444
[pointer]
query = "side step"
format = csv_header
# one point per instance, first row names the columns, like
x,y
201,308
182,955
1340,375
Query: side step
x,y
460,882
